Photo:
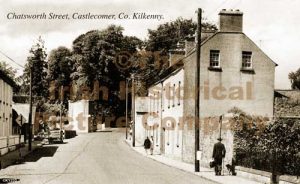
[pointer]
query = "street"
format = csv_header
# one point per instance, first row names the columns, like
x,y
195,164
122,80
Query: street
x,y
101,157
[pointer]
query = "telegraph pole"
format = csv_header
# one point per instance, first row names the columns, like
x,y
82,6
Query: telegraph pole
x,y
30,112
126,111
133,109
60,112
220,121
197,92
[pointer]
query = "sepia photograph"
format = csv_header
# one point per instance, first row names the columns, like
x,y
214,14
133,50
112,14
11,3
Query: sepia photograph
x,y
149,92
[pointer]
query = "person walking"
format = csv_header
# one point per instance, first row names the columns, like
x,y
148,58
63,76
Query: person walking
x,y
147,144
41,125
152,145
219,152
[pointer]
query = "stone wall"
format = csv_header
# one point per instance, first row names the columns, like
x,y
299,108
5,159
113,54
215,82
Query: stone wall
x,y
210,132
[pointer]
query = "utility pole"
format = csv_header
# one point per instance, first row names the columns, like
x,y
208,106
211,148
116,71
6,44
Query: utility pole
x,y
30,112
60,112
162,135
20,136
197,92
126,111
220,121
133,109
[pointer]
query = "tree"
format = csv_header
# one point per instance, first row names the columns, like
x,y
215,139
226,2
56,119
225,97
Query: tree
x,y
92,53
37,62
8,70
295,79
94,56
167,35
60,66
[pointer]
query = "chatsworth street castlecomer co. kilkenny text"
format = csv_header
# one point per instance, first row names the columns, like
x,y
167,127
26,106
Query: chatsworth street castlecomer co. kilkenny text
x,y
82,16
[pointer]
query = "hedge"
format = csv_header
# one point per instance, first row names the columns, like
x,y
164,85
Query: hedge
x,y
268,145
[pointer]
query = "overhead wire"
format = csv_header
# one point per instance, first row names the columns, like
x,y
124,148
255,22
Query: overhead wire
x,y
11,59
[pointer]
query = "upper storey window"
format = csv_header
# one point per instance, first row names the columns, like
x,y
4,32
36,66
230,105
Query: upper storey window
x,y
246,59
214,58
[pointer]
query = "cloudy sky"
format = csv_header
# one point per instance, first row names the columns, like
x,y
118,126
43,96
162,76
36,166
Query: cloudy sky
x,y
271,24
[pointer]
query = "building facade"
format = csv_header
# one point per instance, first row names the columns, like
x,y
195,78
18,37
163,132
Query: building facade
x,y
8,141
234,73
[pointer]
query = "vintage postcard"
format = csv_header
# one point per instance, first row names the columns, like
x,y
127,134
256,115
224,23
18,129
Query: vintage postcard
x,y
154,92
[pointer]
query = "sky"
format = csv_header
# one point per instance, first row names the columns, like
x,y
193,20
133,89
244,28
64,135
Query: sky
x,y
272,24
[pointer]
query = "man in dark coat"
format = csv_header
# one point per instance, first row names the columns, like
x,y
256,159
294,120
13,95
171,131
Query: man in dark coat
x,y
147,144
218,155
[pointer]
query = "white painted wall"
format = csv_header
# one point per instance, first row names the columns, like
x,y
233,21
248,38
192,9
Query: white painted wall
x,y
172,112
163,108
141,107
78,116
7,140
5,109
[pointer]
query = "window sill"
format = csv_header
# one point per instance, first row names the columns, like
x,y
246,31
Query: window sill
x,y
216,69
248,70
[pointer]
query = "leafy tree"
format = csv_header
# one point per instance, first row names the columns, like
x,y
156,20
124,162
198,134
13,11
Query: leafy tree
x,y
60,66
97,50
11,73
8,70
37,62
94,56
167,35
295,79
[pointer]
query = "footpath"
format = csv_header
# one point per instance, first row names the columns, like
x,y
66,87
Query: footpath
x,y
206,173
16,156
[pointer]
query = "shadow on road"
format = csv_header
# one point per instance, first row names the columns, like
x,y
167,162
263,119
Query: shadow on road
x,y
34,156
57,142
14,159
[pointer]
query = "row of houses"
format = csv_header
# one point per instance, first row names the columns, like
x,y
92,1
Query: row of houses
x,y
10,121
234,73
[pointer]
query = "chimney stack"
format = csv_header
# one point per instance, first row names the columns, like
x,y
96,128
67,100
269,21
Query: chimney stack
x,y
177,53
190,44
231,21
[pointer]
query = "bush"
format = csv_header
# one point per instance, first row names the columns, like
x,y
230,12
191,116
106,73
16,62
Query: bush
x,y
267,145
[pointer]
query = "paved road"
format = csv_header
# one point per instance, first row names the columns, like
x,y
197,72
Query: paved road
x,y
95,158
